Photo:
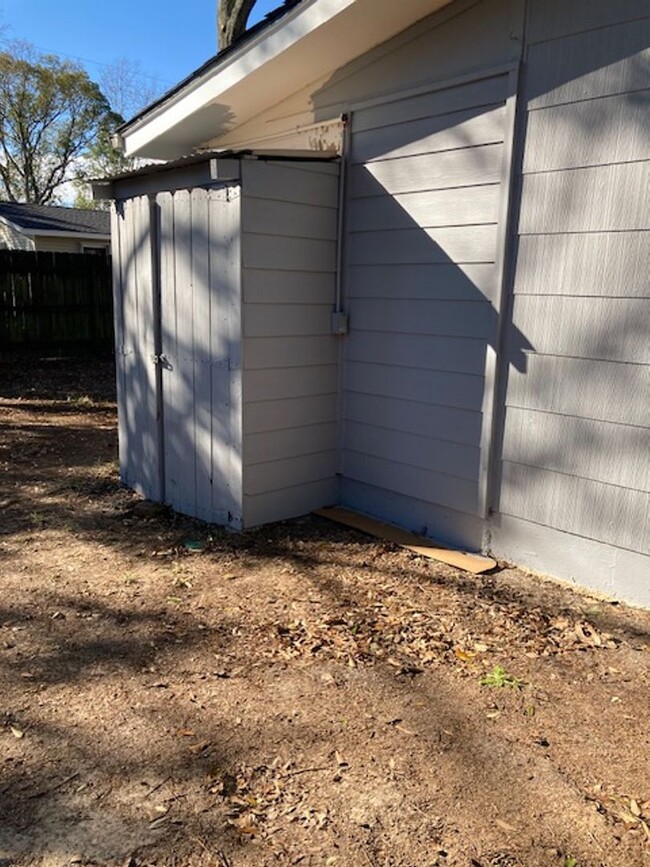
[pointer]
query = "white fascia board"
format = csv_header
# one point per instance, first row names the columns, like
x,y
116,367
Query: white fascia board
x,y
267,46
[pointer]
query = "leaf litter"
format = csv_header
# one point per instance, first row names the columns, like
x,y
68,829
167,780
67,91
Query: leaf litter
x,y
296,695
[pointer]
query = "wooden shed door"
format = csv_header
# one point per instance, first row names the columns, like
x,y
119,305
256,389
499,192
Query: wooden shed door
x,y
196,244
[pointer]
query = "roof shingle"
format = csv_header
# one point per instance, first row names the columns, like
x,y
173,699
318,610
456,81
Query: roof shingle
x,y
56,218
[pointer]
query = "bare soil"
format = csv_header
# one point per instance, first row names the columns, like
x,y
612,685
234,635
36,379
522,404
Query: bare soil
x,y
174,694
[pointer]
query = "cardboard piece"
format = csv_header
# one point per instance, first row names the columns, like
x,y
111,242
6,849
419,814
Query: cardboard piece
x,y
475,563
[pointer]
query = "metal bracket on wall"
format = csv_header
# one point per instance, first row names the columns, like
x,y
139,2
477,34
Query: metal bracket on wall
x,y
340,322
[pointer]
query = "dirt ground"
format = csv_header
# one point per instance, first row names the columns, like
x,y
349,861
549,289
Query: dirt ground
x,y
173,694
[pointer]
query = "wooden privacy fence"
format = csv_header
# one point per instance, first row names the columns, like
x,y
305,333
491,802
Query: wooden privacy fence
x,y
55,301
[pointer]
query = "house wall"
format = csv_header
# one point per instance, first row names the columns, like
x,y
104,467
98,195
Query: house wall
x,y
52,244
290,357
427,160
574,498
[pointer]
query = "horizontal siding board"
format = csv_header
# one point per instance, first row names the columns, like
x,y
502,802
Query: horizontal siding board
x,y
287,254
610,329
423,452
287,287
611,264
477,95
456,354
443,318
438,281
456,390
610,514
603,390
614,571
455,207
459,168
280,414
428,50
613,198
550,19
270,217
290,183
420,484
264,352
290,382
601,131
289,502
439,422
463,244
601,451
289,472
588,65
458,129
421,516
292,442
287,320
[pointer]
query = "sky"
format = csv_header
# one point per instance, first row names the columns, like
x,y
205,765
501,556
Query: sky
x,y
168,40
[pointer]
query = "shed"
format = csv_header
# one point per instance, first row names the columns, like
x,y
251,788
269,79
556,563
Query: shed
x,y
225,282
492,389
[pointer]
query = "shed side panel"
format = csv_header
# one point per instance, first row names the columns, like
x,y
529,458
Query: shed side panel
x,y
290,357
576,435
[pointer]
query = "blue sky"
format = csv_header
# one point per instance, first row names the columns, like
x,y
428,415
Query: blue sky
x,y
168,40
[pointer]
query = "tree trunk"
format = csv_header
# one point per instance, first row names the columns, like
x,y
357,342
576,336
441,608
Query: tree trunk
x,y
232,16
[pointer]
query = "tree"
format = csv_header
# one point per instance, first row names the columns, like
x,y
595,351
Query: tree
x,y
128,90
232,16
50,113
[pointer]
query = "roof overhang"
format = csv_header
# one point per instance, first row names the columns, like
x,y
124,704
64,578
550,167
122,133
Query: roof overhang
x,y
313,39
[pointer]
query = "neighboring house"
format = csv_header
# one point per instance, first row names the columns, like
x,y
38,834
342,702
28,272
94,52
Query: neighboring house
x,y
485,230
54,229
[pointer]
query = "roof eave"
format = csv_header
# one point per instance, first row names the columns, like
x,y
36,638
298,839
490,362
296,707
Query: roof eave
x,y
264,69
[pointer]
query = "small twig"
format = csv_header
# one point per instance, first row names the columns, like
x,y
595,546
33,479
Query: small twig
x,y
54,788
219,854
159,786
307,771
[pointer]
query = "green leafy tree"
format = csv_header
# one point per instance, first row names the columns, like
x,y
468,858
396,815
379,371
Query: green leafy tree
x,y
51,114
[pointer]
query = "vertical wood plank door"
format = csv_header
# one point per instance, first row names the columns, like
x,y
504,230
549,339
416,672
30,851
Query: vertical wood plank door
x,y
135,348
195,344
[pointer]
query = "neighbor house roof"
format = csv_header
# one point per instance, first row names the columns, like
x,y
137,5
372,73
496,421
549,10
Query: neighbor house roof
x,y
54,219
299,43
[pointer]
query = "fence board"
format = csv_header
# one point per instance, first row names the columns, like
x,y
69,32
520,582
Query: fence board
x,y
50,300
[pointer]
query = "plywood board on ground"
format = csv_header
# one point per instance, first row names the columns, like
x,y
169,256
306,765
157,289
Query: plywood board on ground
x,y
475,563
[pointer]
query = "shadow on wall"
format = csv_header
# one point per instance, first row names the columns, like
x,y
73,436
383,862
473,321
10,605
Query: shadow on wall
x,y
434,300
